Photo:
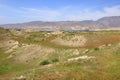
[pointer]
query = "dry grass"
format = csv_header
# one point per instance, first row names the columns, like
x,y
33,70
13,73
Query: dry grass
x,y
36,47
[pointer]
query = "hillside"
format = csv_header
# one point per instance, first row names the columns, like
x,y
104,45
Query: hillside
x,y
112,22
41,55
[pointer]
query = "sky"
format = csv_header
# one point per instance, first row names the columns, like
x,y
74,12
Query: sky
x,y
18,11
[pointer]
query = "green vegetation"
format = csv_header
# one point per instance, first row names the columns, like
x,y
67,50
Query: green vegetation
x,y
55,60
35,50
96,49
118,53
8,66
45,62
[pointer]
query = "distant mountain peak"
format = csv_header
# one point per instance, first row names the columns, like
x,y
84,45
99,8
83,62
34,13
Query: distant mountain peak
x,y
102,23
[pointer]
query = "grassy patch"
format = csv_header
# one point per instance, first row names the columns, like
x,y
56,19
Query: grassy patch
x,y
96,49
45,62
55,60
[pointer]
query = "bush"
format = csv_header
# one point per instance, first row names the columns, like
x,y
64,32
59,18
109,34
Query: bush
x,y
45,62
96,49
55,60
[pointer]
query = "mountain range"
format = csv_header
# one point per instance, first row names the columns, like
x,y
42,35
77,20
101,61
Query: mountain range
x,y
112,22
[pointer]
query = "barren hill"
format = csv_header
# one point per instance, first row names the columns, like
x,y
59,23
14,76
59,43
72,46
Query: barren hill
x,y
112,22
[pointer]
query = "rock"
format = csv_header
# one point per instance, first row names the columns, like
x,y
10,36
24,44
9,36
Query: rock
x,y
76,52
82,58
21,77
119,44
87,50
103,46
109,45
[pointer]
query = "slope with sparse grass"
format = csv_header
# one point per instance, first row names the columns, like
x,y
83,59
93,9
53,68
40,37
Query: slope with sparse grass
x,y
42,56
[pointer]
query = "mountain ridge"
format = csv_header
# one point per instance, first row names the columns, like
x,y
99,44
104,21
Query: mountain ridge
x,y
112,22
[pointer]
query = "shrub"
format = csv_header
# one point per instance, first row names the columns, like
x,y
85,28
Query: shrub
x,y
96,49
45,62
55,60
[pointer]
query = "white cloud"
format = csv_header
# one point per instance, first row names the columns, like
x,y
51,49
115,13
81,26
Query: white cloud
x,y
39,14
65,13
96,14
68,13
115,10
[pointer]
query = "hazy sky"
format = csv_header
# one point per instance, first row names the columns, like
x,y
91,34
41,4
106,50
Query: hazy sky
x,y
15,11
